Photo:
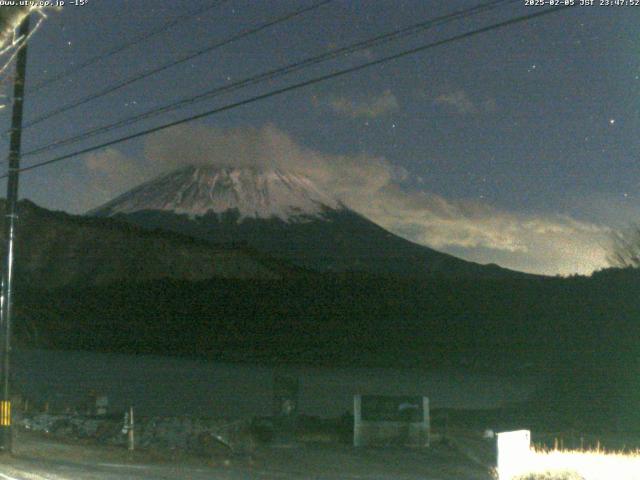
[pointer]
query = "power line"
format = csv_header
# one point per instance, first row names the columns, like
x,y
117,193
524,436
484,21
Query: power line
x,y
120,48
299,85
191,56
281,71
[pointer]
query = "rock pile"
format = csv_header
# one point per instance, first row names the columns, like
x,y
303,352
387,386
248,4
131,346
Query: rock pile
x,y
194,434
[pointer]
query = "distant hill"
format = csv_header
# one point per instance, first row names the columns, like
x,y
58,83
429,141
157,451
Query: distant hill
x,y
55,249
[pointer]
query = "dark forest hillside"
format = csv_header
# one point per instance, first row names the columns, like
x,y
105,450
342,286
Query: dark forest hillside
x,y
373,318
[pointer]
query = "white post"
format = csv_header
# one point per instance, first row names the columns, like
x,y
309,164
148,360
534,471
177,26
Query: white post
x,y
131,430
514,451
427,421
357,420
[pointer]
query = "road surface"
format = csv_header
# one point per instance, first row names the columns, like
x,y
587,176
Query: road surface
x,y
42,458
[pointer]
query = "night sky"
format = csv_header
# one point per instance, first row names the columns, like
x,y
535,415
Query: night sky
x,y
518,146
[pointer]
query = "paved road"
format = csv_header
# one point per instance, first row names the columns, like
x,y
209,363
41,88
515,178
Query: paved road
x,y
36,469
51,470
42,458
363,466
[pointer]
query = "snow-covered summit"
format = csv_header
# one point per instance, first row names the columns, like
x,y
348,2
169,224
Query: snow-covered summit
x,y
198,190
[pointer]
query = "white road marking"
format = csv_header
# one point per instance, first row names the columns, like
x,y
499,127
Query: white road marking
x,y
27,476
124,465
7,477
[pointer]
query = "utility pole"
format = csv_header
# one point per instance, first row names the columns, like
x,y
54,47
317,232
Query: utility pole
x,y
9,238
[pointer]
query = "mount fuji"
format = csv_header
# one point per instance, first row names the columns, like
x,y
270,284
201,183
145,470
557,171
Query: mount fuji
x,y
282,214
198,191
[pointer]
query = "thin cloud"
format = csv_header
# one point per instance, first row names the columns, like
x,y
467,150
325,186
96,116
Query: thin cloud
x,y
462,104
110,172
374,107
545,244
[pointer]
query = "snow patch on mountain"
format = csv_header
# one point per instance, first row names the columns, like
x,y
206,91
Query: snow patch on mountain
x,y
198,190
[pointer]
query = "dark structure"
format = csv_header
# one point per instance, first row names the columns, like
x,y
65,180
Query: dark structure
x,y
391,420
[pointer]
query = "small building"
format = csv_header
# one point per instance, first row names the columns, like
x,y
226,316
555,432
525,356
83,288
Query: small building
x,y
391,420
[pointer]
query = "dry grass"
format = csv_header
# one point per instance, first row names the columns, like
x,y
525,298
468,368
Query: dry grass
x,y
578,465
551,476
